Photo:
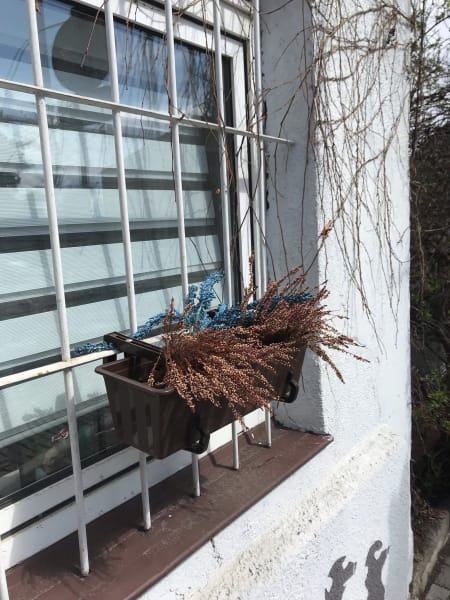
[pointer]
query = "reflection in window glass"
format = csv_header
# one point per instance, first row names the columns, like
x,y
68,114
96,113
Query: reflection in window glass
x,y
72,41
142,58
34,437
26,282
15,60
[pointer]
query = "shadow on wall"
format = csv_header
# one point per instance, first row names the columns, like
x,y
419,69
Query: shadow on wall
x,y
376,558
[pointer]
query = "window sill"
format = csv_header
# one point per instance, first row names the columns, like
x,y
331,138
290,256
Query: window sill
x,y
125,561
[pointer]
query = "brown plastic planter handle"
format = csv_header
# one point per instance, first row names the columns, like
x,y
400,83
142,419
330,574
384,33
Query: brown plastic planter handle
x,y
291,390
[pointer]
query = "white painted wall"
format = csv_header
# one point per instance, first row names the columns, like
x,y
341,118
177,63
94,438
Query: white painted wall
x,y
356,492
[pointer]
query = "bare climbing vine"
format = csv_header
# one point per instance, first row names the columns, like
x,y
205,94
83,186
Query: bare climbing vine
x,y
354,54
358,50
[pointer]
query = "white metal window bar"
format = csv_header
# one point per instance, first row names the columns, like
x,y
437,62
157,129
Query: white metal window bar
x,y
224,189
260,164
260,178
176,161
126,237
140,111
41,108
174,117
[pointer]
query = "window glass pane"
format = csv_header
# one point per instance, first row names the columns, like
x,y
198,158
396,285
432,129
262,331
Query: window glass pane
x,y
34,440
28,317
15,60
26,409
94,270
142,66
153,212
72,41
203,210
141,63
87,199
195,82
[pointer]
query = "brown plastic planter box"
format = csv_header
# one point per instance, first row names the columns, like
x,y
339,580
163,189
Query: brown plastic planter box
x,y
156,420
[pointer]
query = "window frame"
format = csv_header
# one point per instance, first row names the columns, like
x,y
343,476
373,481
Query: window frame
x,y
116,467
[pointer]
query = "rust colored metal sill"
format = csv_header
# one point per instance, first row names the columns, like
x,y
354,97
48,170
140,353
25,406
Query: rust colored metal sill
x,y
126,561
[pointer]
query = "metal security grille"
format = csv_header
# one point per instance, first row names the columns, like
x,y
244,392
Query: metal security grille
x,y
176,125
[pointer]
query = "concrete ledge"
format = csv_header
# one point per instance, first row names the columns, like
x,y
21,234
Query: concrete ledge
x,y
425,562
126,561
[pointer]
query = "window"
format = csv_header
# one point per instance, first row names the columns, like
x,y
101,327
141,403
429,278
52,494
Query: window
x,y
102,220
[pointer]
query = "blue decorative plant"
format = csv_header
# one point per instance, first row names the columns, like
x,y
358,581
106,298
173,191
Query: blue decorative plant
x,y
231,353
199,313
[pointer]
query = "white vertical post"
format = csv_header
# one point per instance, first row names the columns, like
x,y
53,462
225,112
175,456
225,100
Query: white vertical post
x,y
178,181
224,190
261,180
261,184
4,594
125,222
176,151
195,475
120,163
235,444
256,219
268,424
41,109
255,164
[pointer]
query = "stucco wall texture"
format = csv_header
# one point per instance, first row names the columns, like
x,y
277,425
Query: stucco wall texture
x,y
339,528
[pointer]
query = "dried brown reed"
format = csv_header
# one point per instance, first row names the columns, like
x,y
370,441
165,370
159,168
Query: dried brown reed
x,y
236,365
